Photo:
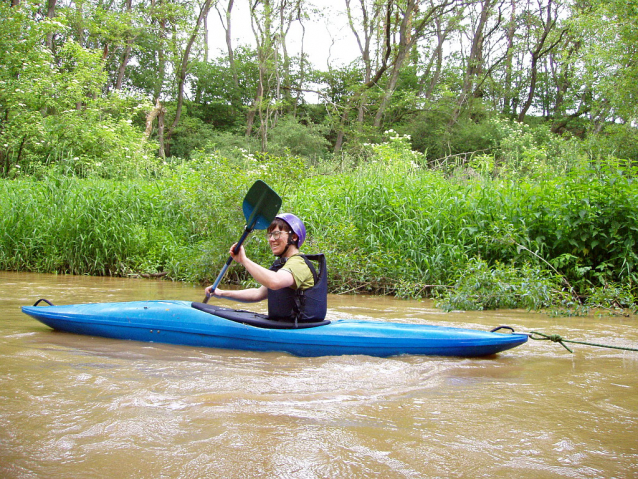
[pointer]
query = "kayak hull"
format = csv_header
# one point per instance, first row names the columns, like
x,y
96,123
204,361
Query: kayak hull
x,y
177,322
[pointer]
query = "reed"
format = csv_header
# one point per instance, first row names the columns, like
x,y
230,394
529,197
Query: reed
x,y
387,227
410,234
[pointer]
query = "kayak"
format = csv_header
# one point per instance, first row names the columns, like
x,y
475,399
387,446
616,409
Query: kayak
x,y
203,325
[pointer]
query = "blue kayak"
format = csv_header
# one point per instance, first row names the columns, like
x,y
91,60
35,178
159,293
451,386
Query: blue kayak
x,y
198,324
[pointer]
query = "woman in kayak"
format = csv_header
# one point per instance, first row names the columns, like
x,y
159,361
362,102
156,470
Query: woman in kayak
x,y
295,288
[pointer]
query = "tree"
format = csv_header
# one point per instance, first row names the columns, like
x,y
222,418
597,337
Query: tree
x,y
53,108
609,61
24,81
182,68
374,37
540,45
411,29
229,42
365,34
484,25
271,21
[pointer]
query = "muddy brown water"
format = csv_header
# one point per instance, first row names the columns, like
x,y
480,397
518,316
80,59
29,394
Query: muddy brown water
x,y
83,407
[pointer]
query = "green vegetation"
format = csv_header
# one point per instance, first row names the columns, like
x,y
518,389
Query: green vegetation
x,y
486,236
499,174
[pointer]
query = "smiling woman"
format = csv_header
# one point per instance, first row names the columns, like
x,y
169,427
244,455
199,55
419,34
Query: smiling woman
x,y
296,290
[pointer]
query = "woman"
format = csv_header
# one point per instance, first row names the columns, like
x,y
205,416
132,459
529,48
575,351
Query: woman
x,y
295,288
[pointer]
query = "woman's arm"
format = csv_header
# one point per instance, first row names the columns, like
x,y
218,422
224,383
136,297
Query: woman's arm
x,y
267,278
250,295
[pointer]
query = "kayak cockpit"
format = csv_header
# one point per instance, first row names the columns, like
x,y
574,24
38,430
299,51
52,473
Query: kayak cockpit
x,y
253,319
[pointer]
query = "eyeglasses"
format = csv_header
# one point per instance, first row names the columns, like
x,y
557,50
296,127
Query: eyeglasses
x,y
275,234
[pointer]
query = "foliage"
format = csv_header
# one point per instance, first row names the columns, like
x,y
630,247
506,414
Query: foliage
x,y
433,184
481,287
229,145
608,68
392,226
431,133
52,109
299,139
68,67
524,150
612,296
190,136
179,222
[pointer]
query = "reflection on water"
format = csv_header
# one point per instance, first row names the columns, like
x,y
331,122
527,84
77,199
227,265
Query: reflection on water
x,y
78,406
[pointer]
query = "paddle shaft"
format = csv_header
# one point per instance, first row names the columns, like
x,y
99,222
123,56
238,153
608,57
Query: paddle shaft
x,y
229,261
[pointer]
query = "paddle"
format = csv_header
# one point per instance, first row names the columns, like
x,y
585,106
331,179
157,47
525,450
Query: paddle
x,y
260,207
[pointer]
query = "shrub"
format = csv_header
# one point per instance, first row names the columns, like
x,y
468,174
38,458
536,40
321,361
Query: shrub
x,y
290,135
481,287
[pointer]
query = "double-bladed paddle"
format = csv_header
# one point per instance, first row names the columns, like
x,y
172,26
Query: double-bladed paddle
x,y
260,207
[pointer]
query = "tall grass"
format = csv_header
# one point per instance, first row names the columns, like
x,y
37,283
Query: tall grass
x,y
390,226
410,233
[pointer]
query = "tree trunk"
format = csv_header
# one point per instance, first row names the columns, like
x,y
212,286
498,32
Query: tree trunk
x,y
151,116
302,64
539,52
183,68
409,33
508,104
127,50
262,31
161,63
229,40
474,66
430,80
125,59
50,15
198,92
341,133
370,25
160,134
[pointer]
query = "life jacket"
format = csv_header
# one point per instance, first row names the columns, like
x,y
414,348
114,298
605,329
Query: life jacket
x,y
301,306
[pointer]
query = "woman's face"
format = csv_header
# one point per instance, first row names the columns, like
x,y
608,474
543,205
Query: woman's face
x,y
278,239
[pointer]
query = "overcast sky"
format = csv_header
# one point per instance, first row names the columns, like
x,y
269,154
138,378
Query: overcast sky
x,y
328,38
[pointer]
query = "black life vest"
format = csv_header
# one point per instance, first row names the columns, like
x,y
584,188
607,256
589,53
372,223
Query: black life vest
x,y
301,306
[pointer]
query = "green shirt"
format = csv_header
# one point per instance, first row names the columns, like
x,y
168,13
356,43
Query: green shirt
x,y
300,271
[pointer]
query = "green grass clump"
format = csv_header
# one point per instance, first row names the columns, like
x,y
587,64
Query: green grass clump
x,y
481,287
389,226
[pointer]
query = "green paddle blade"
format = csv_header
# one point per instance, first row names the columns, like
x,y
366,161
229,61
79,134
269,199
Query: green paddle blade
x,y
260,206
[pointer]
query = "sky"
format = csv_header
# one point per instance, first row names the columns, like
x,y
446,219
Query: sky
x,y
327,39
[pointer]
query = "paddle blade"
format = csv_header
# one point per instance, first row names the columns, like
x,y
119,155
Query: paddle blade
x,y
260,206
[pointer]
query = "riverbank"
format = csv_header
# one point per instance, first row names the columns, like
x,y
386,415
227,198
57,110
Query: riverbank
x,y
388,227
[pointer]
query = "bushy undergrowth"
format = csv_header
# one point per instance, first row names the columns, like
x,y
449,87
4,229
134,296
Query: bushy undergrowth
x,y
473,237
481,286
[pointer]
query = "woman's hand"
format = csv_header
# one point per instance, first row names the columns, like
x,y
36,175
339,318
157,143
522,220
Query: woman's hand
x,y
240,257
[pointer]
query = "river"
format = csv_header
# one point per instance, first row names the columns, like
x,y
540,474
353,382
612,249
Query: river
x,y
82,407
